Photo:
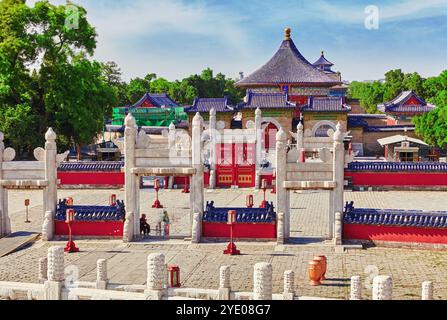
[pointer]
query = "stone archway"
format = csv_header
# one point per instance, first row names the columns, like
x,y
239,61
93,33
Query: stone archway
x,y
321,125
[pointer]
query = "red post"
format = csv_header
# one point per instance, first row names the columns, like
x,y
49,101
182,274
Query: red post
x,y
71,246
231,248
264,189
186,186
174,276
157,204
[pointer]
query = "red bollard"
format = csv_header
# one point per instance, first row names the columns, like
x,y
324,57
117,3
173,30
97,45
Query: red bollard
x,y
157,204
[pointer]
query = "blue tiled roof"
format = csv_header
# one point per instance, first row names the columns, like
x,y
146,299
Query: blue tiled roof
x,y
398,166
244,215
393,217
158,100
326,104
92,213
323,61
390,128
287,66
398,104
267,100
205,105
91,166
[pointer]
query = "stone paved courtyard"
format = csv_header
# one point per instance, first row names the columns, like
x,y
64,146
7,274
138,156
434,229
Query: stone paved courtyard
x,y
200,263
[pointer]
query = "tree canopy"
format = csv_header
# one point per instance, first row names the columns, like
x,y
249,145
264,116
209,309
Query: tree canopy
x,y
47,78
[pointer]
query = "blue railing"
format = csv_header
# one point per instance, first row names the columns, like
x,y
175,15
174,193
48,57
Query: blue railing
x,y
393,217
398,166
91,166
244,215
92,213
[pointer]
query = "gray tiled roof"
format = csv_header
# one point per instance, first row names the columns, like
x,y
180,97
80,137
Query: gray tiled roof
x,y
398,104
206,104
326,104
267,100
286,67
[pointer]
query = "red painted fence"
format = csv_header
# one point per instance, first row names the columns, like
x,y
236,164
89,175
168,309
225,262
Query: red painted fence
x,y
394,234
397,178
91,178
240,230
113,229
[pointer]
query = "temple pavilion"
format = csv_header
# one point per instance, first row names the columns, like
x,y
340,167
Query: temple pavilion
x,y
153,113
288,90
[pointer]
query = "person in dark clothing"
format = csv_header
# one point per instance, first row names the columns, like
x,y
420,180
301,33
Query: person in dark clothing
x,y
145,228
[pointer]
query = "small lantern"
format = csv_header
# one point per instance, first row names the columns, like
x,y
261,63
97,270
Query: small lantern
x,y
264,184
174,276
69,201
250,201
26,202
113,200
231,219
70,213
157,184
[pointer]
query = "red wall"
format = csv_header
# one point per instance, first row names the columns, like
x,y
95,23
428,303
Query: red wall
x,y
394,234
240,231
91,229
397,179
91,178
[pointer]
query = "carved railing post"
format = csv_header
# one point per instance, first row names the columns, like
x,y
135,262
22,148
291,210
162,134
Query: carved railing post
x,y
50,192
196,228
55,274
427,290
262,281
280,228
224,283
197,181
130,138
382,288
101,274
356,288
156,274
43,270
289,285
339,171
282,199
3,195
213,133
258,128
300,137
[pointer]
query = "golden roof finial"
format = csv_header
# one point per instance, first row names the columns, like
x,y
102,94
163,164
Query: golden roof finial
x,y
288,32
322,53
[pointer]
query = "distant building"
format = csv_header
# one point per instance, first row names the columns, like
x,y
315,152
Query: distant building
x,y
153,113
404,107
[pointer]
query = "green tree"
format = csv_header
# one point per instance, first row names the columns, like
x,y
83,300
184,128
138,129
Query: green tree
x,y
46,79
394,84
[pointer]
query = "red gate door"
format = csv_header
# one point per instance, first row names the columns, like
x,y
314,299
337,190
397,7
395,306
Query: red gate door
x,y
235,165
245,165
224,165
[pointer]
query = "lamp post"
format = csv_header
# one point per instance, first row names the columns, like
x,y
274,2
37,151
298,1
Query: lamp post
x,y
26,210
250,202
231,221
157,204
186,186
174,276
274,182
264,189
70,218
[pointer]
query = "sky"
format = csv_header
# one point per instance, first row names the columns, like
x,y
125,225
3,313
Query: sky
x,y
177,38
